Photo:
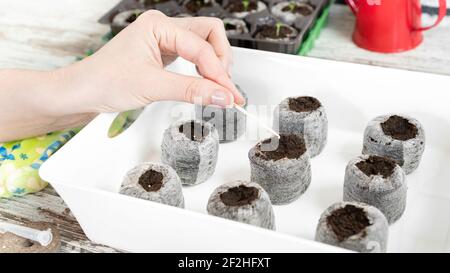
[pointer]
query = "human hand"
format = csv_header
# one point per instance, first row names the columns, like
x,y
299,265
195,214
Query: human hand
x,y
128,72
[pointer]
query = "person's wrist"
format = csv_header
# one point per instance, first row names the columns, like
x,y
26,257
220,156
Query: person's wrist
x,y
44,96
70,91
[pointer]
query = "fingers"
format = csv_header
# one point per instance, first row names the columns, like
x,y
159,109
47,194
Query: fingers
x,y
193,90
212,30
173,39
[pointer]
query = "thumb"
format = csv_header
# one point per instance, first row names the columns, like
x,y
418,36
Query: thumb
x,y
193,90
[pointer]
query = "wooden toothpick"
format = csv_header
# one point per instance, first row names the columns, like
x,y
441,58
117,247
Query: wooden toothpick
x,y
262,124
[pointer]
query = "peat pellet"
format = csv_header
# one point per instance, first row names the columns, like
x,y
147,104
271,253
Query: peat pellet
x,y
276,32
191,149
11,243
234,26
289,11
194,6
401,138
152,3
154,182
241,9
124,18
379,182
214,11
242,201
354,226
282,167
229,122
304,116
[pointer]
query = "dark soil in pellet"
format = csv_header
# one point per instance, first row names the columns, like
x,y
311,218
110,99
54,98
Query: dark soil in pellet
x,y
399,128
239,196
298,9
274,32
151,180
289,146
377,165
194,131
239,6
229,26
154,2
195,5
304,104
348,221
133,17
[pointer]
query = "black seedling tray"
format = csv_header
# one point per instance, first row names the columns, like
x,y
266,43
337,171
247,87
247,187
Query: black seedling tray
x,y
254,21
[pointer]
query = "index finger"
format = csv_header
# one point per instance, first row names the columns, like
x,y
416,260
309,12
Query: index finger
x,y
174,39
213,31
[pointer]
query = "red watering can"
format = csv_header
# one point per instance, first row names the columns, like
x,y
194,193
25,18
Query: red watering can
x,y
390,25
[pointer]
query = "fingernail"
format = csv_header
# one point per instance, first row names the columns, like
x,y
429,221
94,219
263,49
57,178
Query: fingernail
x,y
221,98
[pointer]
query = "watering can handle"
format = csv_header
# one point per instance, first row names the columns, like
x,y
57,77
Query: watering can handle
x,y
353,6
441,15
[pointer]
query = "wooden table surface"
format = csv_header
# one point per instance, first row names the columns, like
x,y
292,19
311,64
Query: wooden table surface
x,y
47,34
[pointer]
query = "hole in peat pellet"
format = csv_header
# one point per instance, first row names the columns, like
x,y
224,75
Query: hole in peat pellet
x,y
151,180
241,6
229,26
289,146
239,196
348,221
295,8
377,165
274,32
133,17
399,128
194,131
195,5
154,2
304,104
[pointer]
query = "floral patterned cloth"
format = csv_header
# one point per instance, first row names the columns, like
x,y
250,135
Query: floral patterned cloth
x,y
20,162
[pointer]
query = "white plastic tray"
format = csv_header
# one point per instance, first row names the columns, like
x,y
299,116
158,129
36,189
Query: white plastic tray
x,y
87,172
